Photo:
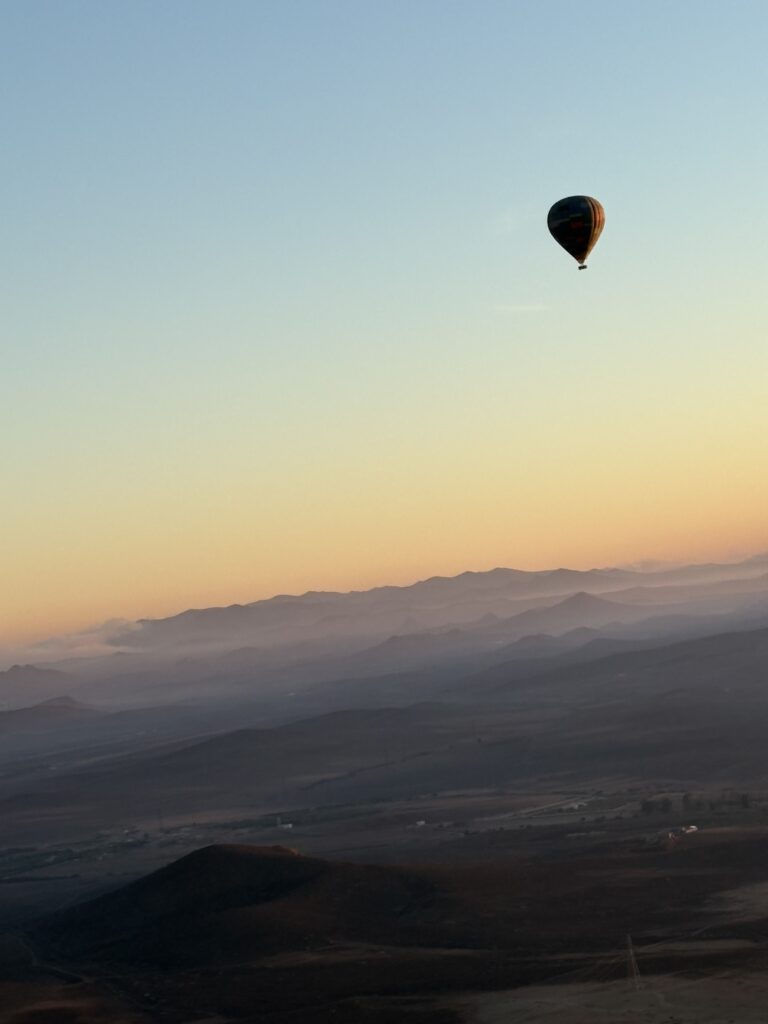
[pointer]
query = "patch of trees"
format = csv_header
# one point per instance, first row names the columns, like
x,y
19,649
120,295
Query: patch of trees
x,y
690,802
715,802
661,806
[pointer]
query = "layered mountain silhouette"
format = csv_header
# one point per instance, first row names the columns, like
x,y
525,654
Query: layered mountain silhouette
x,y
692,711
437,601
294,644
24,685
47,716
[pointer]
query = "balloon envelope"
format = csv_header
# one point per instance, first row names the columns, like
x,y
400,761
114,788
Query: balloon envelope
x,y
575,223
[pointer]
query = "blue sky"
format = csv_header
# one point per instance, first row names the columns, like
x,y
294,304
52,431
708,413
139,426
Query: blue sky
x,y
262,258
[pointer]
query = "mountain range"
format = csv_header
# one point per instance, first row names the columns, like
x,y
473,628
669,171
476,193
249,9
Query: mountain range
x,y
286,644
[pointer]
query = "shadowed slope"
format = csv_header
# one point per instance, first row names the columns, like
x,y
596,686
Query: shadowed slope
x,y
230,903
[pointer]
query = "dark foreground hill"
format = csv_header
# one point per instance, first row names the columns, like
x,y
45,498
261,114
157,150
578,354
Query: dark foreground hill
x,y
231,904
226,904
230,928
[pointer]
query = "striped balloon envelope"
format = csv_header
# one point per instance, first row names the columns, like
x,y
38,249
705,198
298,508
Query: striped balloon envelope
x,y
575,223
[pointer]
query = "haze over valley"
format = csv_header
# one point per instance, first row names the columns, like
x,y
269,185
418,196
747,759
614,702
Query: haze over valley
x,y
517,720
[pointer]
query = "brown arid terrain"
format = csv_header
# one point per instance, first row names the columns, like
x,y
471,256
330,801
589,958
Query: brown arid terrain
x,y
267,934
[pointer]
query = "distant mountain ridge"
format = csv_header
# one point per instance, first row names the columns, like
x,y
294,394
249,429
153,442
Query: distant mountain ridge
x,y
437,601
280,645
48,715
24,685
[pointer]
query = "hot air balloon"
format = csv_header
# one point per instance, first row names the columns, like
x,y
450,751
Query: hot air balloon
x,y
576,223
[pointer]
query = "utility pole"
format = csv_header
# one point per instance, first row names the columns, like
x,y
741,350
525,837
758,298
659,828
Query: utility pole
x,y
633,971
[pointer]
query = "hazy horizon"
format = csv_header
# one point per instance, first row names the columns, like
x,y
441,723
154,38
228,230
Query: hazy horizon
x,y
285,313
88,639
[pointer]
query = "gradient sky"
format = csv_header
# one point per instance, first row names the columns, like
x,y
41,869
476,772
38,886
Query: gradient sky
x,y
280,310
